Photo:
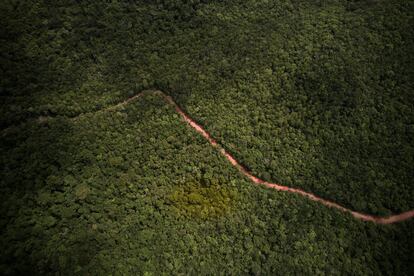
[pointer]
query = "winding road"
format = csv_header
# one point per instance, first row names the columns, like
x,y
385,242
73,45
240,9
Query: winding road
x,y
364,217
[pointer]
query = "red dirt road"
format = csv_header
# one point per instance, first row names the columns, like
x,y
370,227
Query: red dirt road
x,y
258,181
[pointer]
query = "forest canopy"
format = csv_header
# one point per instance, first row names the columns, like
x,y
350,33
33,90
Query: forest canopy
x,y
314,95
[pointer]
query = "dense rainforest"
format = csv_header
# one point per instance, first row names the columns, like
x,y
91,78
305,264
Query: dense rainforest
x,y
316,95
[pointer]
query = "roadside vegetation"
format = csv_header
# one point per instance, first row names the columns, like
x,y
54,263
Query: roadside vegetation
x,y
136,191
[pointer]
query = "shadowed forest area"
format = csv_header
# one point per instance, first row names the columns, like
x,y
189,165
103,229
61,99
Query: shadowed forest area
x,y
316,95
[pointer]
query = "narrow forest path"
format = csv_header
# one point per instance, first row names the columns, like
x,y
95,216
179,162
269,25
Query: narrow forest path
x,y
365,217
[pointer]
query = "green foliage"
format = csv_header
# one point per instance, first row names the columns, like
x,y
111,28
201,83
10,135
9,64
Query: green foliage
x,y
196,200
311,94
146,194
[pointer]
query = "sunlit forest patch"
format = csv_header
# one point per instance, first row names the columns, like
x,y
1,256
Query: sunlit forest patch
x,y
199,200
